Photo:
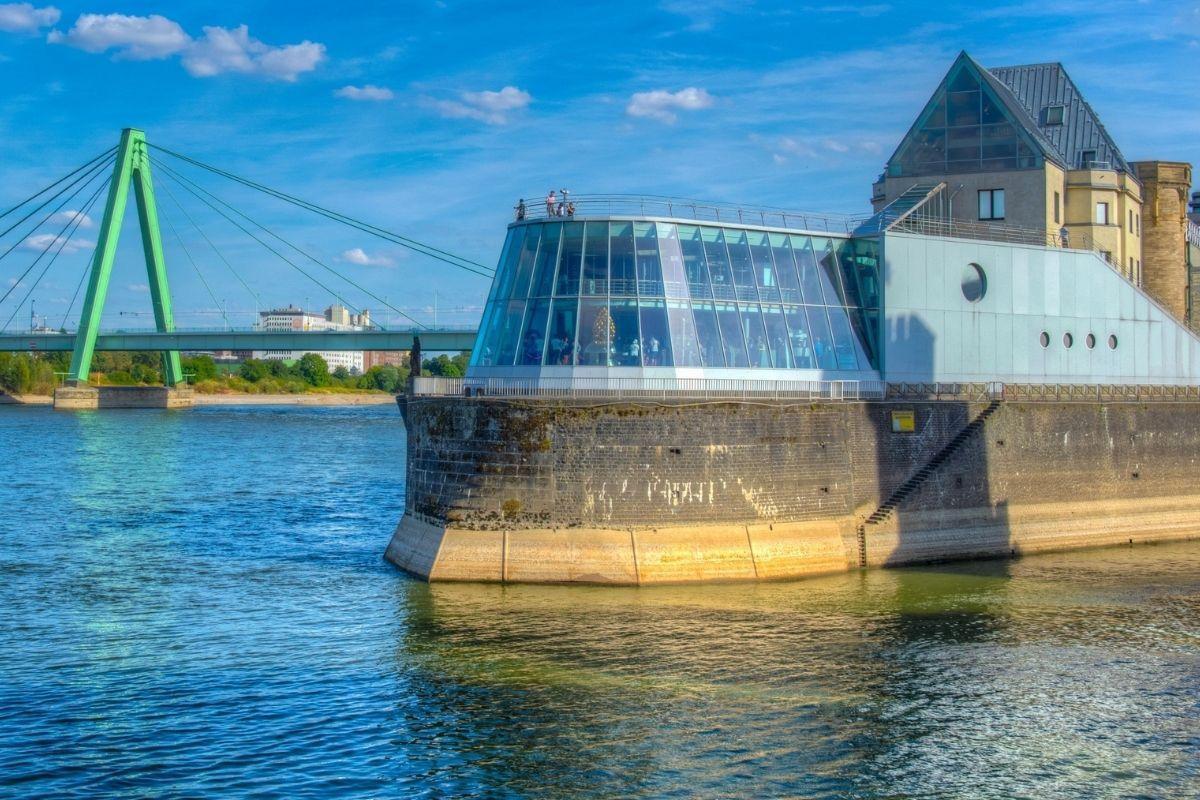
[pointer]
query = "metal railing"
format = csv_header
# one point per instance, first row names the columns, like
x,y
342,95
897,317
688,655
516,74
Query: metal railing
x,y
647,388
739,389
621,205
1011,234
1193,233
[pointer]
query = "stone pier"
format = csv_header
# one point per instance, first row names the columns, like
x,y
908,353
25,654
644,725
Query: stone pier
x,y
81,398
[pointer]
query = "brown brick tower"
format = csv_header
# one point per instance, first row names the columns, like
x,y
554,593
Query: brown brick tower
x,y
1165,187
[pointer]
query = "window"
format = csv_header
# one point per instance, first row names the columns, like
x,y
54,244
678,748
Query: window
x,y
1138,219
1112,342
1086,158
1054,115
1057,208
1044,339
974,283
1101,213
1090,341
1068,340
991,204
1131,220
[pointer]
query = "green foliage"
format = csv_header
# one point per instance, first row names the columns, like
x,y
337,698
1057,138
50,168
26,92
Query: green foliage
x,y
28,373
253,370
445,366
313,369
341,374
202,368
144,374
384,378
281,369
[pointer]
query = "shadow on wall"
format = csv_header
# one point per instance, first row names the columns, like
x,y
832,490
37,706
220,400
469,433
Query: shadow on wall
x,y
934,499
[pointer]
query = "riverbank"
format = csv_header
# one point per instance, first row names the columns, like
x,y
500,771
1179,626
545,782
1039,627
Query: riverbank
x,y
303,399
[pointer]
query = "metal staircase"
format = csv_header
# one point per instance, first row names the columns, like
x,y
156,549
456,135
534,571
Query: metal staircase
x,y
906,489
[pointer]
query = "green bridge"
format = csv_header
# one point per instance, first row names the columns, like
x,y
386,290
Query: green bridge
x,y
177,340
128,166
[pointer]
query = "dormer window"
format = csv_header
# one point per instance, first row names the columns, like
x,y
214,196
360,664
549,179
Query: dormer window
x,y
1054,115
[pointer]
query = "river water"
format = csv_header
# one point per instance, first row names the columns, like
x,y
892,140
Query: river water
x,y
194,604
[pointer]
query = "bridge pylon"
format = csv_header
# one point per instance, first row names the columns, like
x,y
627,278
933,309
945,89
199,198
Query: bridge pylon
x,y
132,168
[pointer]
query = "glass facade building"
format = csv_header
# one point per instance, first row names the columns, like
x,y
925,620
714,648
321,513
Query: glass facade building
x,y
639,293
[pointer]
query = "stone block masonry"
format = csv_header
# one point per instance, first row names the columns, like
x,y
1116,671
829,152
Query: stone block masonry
x,y
83,398
656,492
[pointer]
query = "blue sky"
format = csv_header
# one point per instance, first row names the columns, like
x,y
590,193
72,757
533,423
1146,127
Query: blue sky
x,y
430,119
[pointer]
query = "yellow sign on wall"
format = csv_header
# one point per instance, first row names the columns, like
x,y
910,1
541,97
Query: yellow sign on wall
x,y
904,421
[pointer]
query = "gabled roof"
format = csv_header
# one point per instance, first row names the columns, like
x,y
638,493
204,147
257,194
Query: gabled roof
x,y
1038,86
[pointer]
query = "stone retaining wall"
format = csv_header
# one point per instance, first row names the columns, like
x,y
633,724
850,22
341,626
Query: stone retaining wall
x,y
630,492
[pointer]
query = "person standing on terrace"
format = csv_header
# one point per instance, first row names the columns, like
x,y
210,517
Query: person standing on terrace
x,y
551,204
521,210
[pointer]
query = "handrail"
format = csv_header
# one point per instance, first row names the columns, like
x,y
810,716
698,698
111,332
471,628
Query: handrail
x,y
832,391
616,205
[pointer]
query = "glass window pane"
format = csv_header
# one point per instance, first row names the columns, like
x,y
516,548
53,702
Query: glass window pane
x,y
764,267
991,111
649,271
621,244
685,344
731,335
831,281
801,341
822,338
756,336
964,81
561,346
656,337
595,258
708,334
718,263
525,264
785,268
547,257
567,283
626,349
508,266
694,263
845,349
777,336
806,267
964,108
985,205
998,204
743,267
509,332
595,333
674,277
533,342
937,117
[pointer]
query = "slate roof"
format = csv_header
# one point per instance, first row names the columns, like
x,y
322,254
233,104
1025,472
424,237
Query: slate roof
x,y
1038,86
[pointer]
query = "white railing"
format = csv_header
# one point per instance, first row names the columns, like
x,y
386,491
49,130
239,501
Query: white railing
x,y
738,389
663,388
622,205
1193,233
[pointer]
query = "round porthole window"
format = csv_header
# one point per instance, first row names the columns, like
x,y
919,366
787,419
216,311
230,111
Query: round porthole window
x,y
1044,339
1090,341
1112,342
1068,340
974,283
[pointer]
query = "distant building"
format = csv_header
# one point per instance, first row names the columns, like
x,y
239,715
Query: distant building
x,y
1167,275
379,358
1019,146
335,318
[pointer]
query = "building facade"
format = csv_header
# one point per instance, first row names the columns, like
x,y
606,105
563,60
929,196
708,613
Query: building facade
x,y
335,318
1020,147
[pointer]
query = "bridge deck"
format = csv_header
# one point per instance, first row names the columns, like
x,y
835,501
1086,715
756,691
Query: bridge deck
x,y
431,340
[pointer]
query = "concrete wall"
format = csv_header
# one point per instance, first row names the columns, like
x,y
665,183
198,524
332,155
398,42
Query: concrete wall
x,y
641,493
1025,195
932,333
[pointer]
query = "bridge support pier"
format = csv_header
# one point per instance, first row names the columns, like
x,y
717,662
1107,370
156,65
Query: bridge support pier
x,y
82,397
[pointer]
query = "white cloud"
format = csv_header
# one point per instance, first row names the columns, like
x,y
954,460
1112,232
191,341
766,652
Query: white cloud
x,y
359,256
138,287
135,38
835,146
25,18
233,50
490,107
663,105
218,51
42,241
367,92
69,216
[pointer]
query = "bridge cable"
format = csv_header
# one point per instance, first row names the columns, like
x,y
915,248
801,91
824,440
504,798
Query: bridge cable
x,y
195,266
190,184
86,178
52,242
171,195
62,244
169,173
36,194
366,227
